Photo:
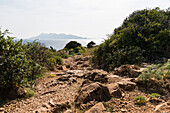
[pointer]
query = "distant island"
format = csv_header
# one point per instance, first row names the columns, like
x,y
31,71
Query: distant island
x,y
53,36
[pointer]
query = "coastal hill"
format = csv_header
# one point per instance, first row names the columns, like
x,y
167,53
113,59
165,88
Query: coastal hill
x,y
52,36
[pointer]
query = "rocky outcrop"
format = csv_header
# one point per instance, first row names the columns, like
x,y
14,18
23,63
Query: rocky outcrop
x,y
127,85
92,91
113,79
128,70
96,76
61,106
114,90
98,108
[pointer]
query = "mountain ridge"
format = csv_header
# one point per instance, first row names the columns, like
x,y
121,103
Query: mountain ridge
x,y
47,36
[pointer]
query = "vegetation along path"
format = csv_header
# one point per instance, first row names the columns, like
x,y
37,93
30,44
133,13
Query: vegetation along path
x,y
76,87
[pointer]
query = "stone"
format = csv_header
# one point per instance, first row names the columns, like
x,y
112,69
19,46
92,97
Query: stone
x,y
160,106
80,62
134,73
85,65
62,67
127,85
68,111
92,91
51,103
113,78
123,110
45,105
60,73
64,78
78,75
116,93
86,82
97,76
98,108
128,70
87,105
112,86
73,80
61,106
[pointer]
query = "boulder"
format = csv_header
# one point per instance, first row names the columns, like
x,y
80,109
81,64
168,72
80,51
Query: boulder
x,y
61,106
127,85
98,108
114,90
92,91
113,79
86,82
62,67
128,70
97,76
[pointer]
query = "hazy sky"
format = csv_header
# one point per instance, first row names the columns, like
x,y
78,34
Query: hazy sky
x,y
86,18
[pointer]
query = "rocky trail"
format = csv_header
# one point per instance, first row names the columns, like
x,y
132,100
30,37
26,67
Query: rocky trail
x,y
76,87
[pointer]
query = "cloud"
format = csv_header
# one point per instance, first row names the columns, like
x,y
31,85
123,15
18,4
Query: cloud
x,y
87,18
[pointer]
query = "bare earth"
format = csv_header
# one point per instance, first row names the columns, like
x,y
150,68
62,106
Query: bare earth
x,y
62,87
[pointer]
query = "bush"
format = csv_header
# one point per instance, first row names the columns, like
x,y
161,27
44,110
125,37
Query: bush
x,y
72,45
140,99
91,44
156,71
153,95
14,65
22,63
144,33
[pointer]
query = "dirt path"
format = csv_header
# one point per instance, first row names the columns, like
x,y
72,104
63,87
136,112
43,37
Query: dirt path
x,y
60,88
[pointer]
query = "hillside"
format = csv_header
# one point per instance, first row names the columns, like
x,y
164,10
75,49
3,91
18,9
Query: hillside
x,y
53,36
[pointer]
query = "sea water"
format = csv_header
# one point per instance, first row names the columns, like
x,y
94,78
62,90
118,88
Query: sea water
x,y
60,43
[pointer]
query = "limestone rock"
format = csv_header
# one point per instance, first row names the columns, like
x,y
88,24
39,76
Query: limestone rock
x,y
113,78
128,70
86,82
98,108
127,85
114,90
97,76
61,106
92,91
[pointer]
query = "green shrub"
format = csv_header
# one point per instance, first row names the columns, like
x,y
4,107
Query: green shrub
x,y
140,99
22,63
157,71
30,92
72,44
126,55
91,44
143,36
153,95
14,65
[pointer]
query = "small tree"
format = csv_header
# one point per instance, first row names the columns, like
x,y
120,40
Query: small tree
x,y
72,44
90,44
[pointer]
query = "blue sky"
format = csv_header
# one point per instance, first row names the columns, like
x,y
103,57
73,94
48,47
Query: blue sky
x,y
86,18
